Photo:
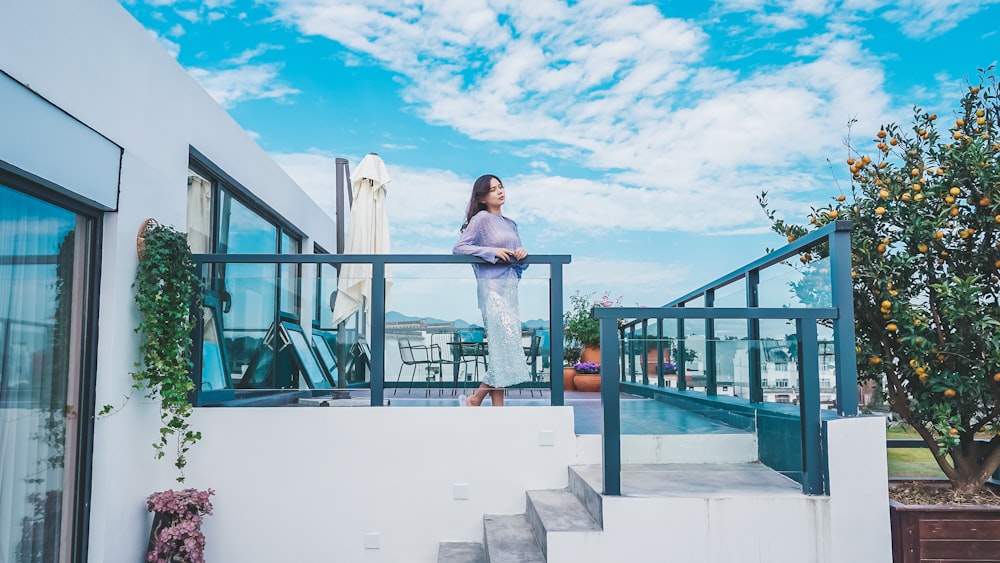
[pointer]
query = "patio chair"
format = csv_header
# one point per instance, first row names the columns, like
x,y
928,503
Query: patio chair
x,y
414,356
531,353
469,351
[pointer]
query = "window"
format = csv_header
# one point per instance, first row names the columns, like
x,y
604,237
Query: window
x,y
243,302
781,383
47,257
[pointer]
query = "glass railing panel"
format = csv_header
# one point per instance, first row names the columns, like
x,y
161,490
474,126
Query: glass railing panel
x,y
436,342
793,284
733,294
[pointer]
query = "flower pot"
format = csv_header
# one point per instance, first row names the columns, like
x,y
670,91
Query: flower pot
x,y
592,355
588,382
569,374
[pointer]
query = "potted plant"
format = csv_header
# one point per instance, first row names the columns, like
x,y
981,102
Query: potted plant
x,y
166,287
588,376
925,206
571,355
176,532
581,327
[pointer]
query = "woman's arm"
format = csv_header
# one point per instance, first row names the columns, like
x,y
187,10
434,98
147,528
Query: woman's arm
x,y
468,242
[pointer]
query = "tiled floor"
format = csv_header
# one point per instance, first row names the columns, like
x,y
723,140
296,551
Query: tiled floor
x,y
639,415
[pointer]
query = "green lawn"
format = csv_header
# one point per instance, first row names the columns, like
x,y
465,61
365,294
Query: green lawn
x,y
912,462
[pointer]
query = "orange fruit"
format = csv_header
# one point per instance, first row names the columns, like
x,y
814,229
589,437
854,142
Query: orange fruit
x,y
996,377
850,161
833,213
880,211
891,327
949,393
922,247
956,135
886,304
959,122
980,113
955,190
874,361
884,194
841,197
974,89
954,211
949,199
880,134
893,142
953,431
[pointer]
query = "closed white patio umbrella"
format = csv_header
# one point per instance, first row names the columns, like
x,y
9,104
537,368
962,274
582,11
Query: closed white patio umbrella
x,y
367,233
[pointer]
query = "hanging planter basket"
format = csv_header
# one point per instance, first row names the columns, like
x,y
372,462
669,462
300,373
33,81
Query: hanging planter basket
x,y
140,237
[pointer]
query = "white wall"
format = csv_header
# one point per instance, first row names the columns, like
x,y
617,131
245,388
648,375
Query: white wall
x,y
859,490
307,484
96,63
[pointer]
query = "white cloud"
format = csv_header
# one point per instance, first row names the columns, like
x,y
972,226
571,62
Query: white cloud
x,y
928,18
249,54
252,82
618,87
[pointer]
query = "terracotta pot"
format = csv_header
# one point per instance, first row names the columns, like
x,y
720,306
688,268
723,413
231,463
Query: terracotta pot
x,y
651,362
592,355
569,375
588,382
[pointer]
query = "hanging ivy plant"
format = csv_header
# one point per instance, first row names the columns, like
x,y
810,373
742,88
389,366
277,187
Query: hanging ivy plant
x,y
166,285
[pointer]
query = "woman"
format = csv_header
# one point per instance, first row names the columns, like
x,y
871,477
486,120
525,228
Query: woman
x,y
489,235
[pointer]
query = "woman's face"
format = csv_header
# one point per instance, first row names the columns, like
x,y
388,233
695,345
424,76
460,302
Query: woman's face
x,y
495,198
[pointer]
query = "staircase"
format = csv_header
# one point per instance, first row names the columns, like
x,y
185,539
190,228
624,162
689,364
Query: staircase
x,y
551,518
668,512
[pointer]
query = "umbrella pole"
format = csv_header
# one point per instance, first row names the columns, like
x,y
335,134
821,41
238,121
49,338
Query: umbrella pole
x,y
342,171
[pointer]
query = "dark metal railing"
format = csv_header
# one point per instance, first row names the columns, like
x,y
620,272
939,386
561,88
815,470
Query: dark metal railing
x,y
376,338
837,236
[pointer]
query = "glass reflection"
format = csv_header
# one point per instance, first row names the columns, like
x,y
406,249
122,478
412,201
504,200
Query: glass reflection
x,y
43,249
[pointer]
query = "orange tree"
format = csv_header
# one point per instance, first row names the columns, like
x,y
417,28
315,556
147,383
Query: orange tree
x,y
925,202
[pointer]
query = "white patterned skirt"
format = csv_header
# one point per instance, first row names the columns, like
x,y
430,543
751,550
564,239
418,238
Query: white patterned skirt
x,y
502,318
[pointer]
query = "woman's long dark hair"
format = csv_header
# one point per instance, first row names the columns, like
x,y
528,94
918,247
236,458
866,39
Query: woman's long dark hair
x,y
480,189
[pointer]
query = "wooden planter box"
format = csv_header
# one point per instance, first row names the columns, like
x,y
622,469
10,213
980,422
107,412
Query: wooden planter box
x,y
944,533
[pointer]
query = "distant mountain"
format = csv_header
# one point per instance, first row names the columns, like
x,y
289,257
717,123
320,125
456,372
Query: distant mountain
x,y
396,316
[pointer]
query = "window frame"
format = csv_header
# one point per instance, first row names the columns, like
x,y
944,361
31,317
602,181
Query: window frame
x,y
82,475
221,182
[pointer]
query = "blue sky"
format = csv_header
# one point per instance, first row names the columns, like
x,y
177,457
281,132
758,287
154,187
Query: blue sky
x,y
632,135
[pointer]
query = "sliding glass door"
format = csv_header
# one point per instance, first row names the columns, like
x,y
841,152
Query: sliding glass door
x,y
45,277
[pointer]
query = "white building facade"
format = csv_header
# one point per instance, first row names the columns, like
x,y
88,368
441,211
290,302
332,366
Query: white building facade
x,y
101,129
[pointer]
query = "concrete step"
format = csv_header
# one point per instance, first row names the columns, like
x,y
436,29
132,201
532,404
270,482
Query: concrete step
x,y
557,512
461,552
587,493
509,539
